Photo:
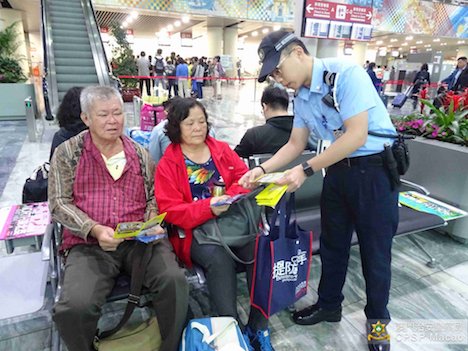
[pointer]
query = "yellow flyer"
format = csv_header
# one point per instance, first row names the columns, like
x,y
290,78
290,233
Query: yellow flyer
x,y
271,195
131,229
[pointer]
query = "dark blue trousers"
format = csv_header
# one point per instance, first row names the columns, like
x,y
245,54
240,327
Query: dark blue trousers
x,y
357,197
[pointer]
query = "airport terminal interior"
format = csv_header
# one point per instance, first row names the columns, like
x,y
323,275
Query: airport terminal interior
x,y
68,43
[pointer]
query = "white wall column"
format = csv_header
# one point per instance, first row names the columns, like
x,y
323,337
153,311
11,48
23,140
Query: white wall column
x,y
327,48
230,47
215,41
359,53
462,51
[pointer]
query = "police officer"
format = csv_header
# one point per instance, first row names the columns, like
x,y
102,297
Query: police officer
x,y
336,101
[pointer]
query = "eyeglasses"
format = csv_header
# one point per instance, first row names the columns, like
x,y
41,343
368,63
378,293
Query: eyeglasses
x,y
277,71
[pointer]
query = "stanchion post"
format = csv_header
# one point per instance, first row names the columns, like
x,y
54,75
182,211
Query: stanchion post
x,y
30,118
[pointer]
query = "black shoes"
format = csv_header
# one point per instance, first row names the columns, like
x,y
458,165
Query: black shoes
x,y
314,314
378,338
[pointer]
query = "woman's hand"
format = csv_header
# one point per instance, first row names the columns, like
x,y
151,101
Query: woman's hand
x,y
217,210
247,180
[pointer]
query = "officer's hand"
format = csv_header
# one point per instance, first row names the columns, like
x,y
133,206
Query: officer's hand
x,y
105,237
247,180
217,210
293,178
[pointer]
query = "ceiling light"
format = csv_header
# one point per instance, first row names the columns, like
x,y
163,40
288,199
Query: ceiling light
x,y
429,49
393,40
186,19
379,42
134,14
254,34
265,30
412,47
419,42
436,40
277,27
461,42
404,44
177,23
170,27
409,37
427,46
129,19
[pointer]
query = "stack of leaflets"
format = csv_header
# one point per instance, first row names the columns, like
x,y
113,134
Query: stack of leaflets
x,y
19,221
271,195
139,230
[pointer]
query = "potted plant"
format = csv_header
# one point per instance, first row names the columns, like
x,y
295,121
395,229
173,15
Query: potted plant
x,y
123,63
439,157
10,69
12,77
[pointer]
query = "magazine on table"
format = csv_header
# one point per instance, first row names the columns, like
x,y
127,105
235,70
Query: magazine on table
x,y
19,221
127,230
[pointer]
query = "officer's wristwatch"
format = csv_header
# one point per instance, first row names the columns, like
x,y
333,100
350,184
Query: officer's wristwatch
x,y
307,169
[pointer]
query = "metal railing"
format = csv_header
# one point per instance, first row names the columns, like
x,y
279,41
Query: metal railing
x,y
49,78
95,41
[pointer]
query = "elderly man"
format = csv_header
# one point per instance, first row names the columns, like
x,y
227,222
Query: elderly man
x,y
98,179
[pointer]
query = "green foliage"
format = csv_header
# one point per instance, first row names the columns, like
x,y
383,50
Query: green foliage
x,y
123,63
449,124
10,69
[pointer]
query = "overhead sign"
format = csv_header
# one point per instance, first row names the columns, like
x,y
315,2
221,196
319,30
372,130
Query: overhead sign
x,y
338,12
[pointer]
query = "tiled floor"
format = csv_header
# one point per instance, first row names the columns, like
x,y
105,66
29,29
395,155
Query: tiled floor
x,y
418,292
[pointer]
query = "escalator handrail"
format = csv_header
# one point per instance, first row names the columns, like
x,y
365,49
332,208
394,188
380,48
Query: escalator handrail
x,y
99,54
45,88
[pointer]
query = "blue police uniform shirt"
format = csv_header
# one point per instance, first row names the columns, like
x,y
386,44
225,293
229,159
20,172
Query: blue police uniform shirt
x,y
355,93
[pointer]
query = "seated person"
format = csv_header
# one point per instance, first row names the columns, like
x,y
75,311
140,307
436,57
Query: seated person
x,y
98,179
185,176
159,141
270,137
69,118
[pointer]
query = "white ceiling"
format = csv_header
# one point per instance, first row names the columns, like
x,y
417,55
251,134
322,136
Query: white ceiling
x,y
150,22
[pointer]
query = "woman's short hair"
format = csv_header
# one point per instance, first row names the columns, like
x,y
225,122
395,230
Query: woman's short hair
x,y
69,111
424,67
179,109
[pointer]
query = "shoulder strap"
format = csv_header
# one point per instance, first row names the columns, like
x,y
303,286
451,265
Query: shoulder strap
x,y
141,258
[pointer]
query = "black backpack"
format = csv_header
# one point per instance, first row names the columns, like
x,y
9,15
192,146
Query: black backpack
x,y
159,65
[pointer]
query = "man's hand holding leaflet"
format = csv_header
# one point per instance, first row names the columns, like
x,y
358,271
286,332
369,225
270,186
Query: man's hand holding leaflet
x,y
133,229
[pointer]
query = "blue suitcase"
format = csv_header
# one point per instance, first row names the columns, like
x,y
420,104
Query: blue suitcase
x,y
400,99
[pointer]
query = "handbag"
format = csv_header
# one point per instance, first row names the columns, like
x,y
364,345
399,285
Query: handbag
x,y
142,337
282,262
35,187
216,333
234,228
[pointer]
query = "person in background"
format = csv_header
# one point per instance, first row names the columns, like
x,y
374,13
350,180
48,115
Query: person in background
x,y
151,69
421,80
239,69
358,192
376,81
171,80
462,82
69,118
182,73
144,70
451,80
270,137
218,73
184,183
158,65
98,179
198,74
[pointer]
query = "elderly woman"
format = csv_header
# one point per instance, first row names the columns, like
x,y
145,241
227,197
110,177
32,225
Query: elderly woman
x,y
183,186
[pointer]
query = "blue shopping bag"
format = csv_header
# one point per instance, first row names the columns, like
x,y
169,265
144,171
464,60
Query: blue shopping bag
x,y
282,262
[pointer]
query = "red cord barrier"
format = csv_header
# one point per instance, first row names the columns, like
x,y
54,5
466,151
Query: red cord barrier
x,y
175,78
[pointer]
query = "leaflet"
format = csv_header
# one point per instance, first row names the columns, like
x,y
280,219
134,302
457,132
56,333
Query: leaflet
x,y
270,177
428,204
271,195
230,200
132,229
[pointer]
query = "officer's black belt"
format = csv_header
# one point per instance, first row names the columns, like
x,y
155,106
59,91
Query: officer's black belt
x,y
375,159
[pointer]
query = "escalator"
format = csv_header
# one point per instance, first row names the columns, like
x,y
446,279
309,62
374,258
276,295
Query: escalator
x,y
73,51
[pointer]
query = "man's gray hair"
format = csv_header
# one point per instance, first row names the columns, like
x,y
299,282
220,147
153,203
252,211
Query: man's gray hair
x,y
90,94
